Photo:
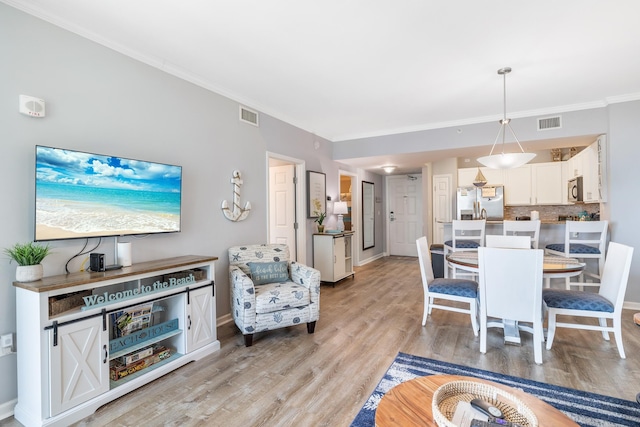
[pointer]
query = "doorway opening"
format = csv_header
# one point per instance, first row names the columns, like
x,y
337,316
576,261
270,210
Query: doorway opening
x,y
285,189
349,193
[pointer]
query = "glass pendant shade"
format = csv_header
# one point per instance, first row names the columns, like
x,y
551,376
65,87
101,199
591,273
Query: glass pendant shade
x,y
505,160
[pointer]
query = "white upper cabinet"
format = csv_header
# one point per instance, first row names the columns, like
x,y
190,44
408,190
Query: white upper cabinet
x,y
534,184
546,183
590,164
517,186
546,179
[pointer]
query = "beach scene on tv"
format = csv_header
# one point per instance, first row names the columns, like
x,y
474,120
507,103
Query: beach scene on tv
x,y
88,195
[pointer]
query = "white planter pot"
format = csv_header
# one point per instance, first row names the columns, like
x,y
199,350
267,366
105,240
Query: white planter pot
x,y
29,273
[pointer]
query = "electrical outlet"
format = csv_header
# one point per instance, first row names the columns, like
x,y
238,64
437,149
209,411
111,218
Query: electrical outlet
x,y
6,340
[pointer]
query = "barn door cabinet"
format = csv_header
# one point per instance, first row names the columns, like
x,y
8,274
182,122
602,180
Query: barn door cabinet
x,y
85,339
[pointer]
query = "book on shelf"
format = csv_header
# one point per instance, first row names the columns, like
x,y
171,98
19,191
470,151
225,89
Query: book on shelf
x,y
119,370
132,319
136,355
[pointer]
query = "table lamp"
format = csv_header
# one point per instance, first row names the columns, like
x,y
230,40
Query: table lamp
x,y
340,208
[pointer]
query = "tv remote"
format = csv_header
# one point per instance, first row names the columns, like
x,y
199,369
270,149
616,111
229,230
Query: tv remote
x,y
486,408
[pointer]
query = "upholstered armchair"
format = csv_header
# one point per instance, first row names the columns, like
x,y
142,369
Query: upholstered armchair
x,y
268,291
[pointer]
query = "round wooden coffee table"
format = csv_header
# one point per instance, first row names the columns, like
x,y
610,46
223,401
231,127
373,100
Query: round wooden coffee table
x,y
409,403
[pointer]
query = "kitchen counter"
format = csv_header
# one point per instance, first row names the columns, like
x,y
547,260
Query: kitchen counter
x,y
551,231
543,221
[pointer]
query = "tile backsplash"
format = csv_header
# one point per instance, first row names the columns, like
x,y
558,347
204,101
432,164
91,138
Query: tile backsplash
x,y
552,212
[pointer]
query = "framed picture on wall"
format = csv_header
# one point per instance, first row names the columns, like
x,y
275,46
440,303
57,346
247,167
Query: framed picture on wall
x,y
316,193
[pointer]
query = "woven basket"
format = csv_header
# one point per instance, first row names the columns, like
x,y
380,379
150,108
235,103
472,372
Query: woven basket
x,y
447,396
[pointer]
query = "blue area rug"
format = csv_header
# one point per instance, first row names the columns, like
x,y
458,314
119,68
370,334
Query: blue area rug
x,y
586,409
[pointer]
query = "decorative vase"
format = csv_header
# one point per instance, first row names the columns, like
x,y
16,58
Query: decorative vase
x,y
29,273
320,228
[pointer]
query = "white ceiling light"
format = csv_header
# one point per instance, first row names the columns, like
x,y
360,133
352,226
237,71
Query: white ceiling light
x,y
505,160
389,169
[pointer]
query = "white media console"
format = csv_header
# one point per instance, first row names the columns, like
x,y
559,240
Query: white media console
x,y
72,358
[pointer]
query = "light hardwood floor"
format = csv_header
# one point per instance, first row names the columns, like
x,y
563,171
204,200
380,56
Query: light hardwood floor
x,y
291,378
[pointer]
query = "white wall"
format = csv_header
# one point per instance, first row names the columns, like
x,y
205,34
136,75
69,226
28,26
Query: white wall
x,y
624,206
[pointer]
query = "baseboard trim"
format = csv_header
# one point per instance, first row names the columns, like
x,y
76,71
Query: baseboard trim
x,y
631,305
6,409
223,320
368,260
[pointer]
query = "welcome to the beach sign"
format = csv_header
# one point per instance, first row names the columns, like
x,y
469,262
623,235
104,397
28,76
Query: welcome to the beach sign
x,y
91,301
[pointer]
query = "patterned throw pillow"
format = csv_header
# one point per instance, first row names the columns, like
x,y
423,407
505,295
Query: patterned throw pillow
x,y
268,272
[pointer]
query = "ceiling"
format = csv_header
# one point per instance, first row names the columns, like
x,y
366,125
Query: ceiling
x,y
346,69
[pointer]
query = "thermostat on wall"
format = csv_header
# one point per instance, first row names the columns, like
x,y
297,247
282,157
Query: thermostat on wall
x,y
32,106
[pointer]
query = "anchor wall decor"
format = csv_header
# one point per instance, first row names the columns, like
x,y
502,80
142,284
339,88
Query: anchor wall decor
x,y
238,213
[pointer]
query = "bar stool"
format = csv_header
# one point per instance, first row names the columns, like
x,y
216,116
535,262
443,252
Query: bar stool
x,y
583,240
523,228
466,235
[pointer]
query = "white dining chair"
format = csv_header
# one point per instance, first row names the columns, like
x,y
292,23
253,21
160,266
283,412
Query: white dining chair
x,y
523,228
466,235
510,285
605,305
513,242
457,290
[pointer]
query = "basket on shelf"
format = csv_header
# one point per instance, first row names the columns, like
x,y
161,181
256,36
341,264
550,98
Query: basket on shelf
x,y
447,396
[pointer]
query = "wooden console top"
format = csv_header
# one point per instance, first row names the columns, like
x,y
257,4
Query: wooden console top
x,y
63,281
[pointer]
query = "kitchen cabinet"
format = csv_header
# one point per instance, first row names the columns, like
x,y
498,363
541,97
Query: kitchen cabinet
x,y
590,164
79,365
547,183
517,186
88,338
594,171
534,184
333,255
466,176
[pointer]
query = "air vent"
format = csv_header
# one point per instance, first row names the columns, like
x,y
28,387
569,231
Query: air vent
x,y
248,116
547,123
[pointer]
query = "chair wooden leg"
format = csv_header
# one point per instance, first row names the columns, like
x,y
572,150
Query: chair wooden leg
x,y
473,309
311,327
248,340
604,325
425,311
551,328
483,334
617,333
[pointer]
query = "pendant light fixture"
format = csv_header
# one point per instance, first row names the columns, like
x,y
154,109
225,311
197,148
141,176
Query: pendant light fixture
x,y
505,160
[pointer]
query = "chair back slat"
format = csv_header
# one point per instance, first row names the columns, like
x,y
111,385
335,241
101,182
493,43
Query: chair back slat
x,y
514,242
519,228
591,233
470,230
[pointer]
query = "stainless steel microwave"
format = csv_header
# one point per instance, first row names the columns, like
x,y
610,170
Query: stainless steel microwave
x,y
574,190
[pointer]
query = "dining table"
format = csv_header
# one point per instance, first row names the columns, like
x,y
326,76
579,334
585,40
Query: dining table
x,y
554,266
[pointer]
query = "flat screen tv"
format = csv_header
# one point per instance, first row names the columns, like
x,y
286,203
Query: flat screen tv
x,y
81,195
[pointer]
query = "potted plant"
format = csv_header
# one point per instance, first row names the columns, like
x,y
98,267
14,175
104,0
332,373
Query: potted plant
x,y
28,256
320,215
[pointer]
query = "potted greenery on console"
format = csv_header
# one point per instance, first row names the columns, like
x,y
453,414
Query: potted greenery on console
x,y
28,256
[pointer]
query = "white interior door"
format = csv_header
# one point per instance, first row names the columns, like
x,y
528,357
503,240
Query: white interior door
x,y
442,206
282,206
405,213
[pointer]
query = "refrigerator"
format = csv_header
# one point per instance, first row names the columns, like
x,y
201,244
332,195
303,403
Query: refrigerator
x,y
480,202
